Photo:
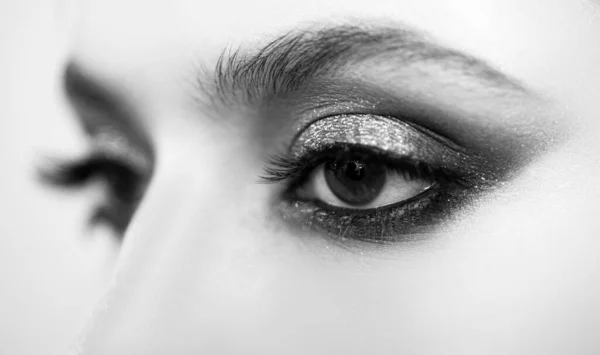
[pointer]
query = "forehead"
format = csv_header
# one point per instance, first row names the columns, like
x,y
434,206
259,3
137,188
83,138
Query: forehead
x,y
164,39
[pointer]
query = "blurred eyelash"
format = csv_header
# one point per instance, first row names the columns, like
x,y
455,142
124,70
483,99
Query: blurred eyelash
x,y
73,172
124,184
79,172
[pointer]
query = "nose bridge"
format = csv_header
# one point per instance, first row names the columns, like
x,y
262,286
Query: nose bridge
x,y
175,267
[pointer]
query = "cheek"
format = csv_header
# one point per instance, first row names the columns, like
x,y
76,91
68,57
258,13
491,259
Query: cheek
x,y
525,263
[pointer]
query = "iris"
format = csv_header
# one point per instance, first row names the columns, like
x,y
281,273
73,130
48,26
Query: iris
x,y
354,178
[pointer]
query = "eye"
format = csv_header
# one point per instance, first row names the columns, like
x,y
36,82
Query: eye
x,y
123,185
374,178
361,180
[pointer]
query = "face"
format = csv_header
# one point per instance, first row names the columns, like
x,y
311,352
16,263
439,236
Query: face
x,y
342,177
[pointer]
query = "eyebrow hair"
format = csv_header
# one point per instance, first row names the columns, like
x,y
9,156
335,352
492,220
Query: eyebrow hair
x,y
291,60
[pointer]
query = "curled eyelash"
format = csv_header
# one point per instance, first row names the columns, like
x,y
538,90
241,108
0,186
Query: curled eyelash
x,y
282,167
285,167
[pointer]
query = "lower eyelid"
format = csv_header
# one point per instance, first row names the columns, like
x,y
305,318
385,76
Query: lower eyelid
x,y
391,223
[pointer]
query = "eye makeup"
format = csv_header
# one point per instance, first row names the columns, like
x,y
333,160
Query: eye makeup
x,y
455,176
506,130
386,134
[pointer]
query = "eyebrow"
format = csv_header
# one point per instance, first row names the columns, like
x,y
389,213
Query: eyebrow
x,y
290,61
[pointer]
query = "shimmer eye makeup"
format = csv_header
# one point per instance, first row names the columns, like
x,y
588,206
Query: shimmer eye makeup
x,y
422,177
386,134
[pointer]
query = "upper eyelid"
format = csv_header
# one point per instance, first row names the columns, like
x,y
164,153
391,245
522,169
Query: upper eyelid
x,y
296,168
447,141
450,143
418,147
406,135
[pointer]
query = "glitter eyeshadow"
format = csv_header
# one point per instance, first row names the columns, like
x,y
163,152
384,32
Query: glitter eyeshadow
x,y
457,174
387,134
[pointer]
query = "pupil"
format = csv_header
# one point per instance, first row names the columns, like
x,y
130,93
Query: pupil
x,y
356,179
355,170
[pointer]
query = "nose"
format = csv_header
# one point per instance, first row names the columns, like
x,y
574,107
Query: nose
x,y
192,266
207,266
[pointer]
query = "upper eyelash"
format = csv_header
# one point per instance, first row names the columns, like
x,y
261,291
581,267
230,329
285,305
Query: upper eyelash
x,y
124,181
125,186
284,167
281,167
77,172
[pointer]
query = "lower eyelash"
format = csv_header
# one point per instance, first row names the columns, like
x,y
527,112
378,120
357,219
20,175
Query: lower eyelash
x,y
408,220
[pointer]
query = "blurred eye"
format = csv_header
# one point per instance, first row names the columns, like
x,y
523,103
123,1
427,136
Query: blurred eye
x,y
122,182
118,166
361,180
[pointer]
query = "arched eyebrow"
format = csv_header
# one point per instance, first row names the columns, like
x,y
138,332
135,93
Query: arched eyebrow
x,y
293,59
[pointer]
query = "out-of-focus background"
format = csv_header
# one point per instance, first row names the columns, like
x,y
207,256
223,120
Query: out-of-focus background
x,y
51,271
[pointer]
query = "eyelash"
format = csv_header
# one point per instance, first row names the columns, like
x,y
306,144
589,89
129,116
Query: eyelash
x,y
402,221
281,167
124,183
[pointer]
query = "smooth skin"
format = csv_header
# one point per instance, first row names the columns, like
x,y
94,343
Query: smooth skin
x,y
207,267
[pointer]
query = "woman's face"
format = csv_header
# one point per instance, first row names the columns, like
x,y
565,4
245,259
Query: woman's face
x,y
335,177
